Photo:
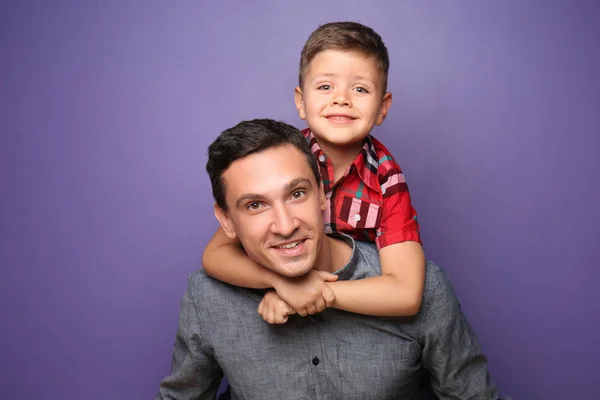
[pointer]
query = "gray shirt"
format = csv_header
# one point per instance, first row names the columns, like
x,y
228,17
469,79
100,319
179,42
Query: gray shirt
x,y
331,355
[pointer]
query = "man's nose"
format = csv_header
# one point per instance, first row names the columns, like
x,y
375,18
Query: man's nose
x,y
284,223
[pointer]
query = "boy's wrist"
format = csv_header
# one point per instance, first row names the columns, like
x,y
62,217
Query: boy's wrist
x,y
275,280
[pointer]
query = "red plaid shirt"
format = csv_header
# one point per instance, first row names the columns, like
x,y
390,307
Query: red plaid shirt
x,y
371,201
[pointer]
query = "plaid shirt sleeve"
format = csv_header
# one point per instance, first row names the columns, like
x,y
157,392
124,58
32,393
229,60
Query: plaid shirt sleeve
x,y
399,218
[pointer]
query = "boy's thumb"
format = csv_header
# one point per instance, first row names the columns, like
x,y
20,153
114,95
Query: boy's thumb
x,y
327,276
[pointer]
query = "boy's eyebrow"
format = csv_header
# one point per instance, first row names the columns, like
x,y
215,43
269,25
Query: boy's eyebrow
x,y
261,197
329,75
332,75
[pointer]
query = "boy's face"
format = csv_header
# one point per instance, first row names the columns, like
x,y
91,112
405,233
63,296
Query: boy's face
x,y
275,209
342,98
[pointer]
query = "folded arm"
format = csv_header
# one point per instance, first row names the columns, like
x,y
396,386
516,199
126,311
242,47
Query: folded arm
x,y
225,259
397,292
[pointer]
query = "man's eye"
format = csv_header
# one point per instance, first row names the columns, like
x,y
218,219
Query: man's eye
x,y
298,194
361,90
253,206
324,87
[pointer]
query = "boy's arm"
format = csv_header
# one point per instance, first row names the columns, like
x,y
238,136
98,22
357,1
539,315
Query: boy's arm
x,y
397,292
399,289
225,259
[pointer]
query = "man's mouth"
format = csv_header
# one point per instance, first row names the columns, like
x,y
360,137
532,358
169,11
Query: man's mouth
x,y
289,245
291,249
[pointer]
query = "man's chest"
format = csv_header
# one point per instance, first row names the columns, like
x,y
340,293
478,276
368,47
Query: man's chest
x,y
328,356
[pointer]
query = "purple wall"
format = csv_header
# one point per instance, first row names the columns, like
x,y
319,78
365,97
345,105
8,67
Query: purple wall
x,y
106,112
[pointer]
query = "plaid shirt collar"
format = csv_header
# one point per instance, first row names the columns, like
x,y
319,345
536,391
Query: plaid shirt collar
x,y
366,162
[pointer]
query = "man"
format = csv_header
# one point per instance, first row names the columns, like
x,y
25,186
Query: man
x,y
268,194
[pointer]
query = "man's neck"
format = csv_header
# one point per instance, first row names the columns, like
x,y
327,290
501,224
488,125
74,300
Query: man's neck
x,y
334,254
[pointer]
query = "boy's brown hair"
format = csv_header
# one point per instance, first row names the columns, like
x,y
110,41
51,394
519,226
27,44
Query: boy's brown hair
x,y
346,36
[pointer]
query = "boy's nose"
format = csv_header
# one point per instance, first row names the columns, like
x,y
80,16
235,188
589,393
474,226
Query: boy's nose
x,y
340,99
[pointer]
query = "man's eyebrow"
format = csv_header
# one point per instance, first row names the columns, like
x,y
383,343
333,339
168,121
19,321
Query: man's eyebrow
x,y
249,196
239,203
297,182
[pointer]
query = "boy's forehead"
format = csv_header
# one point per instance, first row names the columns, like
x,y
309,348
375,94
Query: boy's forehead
x,y
335,57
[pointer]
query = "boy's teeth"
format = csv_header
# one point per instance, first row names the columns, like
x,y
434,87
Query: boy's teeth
x,y
289,245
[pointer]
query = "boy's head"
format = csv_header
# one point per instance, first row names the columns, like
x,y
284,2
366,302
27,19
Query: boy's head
x,y
343,85
346,36
268,194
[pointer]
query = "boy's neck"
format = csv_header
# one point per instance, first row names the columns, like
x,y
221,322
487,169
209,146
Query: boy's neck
x,y
341,157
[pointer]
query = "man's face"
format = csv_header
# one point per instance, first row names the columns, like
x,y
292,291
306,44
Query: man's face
x,y
275,209
342,98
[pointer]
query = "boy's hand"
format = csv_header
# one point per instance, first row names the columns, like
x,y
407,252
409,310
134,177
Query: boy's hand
x,y
308,294
274,310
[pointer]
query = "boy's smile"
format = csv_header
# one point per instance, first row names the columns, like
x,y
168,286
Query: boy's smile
x,y
342,99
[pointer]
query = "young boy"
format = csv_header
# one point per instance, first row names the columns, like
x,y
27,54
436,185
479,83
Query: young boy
x,y
342,94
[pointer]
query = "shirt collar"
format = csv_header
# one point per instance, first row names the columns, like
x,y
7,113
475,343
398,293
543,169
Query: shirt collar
x,y
366,162
348,270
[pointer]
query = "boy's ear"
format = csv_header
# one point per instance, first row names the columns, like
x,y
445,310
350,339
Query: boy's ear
x,y
299,100
225,221
386,103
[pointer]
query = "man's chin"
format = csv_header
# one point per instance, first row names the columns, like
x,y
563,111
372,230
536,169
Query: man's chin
x,y
294,270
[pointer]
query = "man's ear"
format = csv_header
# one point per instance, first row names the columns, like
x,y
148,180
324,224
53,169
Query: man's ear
x,y
225,221
299,100
322,198
386,103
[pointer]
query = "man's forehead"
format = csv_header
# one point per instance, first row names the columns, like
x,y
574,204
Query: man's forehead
x,y
266,171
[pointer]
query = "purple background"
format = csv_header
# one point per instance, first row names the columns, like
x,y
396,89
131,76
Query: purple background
x,y
106,111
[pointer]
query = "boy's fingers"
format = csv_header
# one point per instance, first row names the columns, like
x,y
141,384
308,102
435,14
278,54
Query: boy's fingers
x,y
302,312
320,304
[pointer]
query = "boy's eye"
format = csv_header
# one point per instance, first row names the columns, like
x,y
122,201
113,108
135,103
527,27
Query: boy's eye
x,y
324,87
361,90
298,194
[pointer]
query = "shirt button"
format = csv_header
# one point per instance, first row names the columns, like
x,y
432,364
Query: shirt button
x,y
357,217
322,158
315,361
328,195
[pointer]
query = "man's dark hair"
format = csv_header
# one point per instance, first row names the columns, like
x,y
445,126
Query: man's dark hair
x,y
250,137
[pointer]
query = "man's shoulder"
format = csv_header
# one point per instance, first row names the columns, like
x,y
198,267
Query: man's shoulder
x,y
214,293
199,278
203,287
437,285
